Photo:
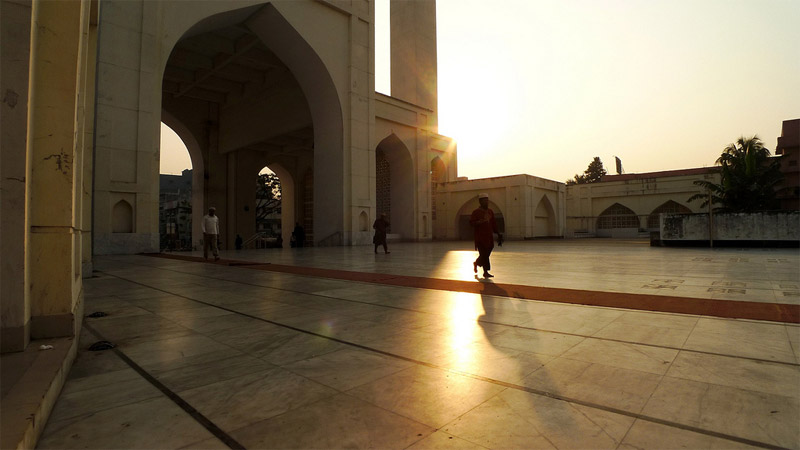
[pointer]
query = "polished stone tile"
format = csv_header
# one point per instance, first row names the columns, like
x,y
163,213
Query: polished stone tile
x,y
535,341
148,424
207,444
93,363
175,348
290,346
614,387
742,338
575,320
137,329
188,316
497,363
762,417
648,435
443,441
348,368
341,421
196,372
90,400
773,378
518,419
240,401
430,396
643,358
418,345
644,334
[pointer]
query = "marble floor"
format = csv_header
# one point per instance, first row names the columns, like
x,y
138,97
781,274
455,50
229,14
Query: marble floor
x,y
224,356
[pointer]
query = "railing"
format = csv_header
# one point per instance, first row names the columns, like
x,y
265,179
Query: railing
x,y
260,240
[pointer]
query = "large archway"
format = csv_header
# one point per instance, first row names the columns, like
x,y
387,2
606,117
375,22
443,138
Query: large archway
x,y
394,185
253,91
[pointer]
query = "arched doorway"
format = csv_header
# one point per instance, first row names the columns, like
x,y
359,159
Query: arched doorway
x,y
394,185
544,219
175,192
254,90
465,231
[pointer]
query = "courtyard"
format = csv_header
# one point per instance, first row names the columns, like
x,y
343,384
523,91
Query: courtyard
x,y
338,347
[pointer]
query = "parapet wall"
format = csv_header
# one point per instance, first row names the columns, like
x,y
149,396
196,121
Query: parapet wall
x,y
779,228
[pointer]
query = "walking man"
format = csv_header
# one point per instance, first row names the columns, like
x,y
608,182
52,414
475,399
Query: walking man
x,y
381,226
482,221
210,226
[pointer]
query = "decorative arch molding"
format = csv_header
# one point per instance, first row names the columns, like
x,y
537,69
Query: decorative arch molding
x,y
316,82
617,216
668,207
395,176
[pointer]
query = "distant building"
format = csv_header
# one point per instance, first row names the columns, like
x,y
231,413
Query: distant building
x,y
175,211
789,150
629,205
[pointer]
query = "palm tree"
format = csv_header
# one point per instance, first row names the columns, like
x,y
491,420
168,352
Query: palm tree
x,y
748,177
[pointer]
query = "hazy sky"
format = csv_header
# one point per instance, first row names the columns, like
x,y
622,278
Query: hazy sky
x,y
543,86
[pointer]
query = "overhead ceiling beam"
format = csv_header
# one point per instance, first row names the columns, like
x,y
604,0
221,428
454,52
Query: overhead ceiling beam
x,y
221,60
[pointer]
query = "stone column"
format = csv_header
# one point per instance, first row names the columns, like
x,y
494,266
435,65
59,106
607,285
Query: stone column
x,y
55,127
15,32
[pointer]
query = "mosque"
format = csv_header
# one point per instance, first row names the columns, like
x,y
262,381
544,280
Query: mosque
x,y
246,84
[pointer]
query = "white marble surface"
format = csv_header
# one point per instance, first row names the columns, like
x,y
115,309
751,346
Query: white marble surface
x,y
288,361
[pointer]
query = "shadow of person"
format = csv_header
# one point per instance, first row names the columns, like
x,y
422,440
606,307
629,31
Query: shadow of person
x,y
518,355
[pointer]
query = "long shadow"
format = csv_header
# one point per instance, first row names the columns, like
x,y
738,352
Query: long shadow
x,y
554,420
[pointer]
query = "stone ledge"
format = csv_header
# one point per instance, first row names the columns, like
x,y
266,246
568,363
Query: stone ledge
x,y
31,383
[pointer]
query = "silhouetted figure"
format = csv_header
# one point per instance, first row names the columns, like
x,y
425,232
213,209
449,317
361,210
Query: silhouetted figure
x,y
380,226
238,242
482,221
299,235
210,227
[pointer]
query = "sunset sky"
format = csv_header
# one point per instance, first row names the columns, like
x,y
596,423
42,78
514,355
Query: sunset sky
x,y
543,86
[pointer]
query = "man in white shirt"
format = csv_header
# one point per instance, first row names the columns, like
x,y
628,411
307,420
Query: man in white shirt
x,y
210,228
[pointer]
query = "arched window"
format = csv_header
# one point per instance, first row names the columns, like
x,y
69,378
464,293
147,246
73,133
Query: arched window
x,y
668,207
122,217
617,216
363,221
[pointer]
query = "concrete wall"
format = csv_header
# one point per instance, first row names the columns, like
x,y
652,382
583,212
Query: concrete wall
x,y
777,227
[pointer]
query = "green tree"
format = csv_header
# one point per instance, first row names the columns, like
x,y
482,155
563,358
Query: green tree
x,y
592,174
268,196
748,177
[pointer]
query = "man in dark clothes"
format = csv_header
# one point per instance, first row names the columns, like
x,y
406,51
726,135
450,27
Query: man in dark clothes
x,y
381,225
299,235
482,220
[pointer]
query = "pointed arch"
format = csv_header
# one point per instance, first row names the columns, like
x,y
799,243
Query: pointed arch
x,y
617,216
668,207
544,219
394,185
462,218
